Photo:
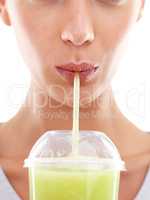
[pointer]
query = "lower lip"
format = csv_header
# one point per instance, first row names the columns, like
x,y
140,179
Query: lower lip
x,y
69,75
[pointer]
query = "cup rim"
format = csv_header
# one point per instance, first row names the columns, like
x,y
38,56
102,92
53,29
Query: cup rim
x,y
94,163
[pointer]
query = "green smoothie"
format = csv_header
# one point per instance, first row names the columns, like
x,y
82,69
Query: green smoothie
x,y
47,183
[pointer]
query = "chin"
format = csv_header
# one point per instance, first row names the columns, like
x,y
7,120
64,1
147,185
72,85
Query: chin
x,y
61,100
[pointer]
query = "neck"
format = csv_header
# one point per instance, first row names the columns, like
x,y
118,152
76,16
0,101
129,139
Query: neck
x,y
46,113
32,120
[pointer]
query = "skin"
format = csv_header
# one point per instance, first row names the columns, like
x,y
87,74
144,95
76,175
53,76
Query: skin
x,y
47,35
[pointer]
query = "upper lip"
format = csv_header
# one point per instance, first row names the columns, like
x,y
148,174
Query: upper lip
x,y
74,67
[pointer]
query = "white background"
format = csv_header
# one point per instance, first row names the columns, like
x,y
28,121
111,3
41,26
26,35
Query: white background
x,y
131,84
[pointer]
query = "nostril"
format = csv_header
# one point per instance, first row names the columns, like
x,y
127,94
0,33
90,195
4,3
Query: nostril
x,y
77,39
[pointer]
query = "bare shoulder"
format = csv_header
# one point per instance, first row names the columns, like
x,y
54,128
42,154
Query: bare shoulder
x,y
2,129
1,142
147,136
3,134
147,139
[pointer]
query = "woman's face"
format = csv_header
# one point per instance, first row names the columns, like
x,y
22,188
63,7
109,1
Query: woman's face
x,y
54,32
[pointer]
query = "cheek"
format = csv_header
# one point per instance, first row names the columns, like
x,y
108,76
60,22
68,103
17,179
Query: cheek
x,y
113,41
114,32
113,24
33,35
112,36
32,26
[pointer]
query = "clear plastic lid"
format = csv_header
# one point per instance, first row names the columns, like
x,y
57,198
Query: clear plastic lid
x,y
54,148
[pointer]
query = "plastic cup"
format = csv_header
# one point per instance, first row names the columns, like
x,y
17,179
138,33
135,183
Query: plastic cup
x,y
55,175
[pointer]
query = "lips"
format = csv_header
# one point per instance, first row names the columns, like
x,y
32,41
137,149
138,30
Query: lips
x,y
85,70
77,67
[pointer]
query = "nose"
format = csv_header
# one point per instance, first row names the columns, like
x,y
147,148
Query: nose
x,y
79,30
77,38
